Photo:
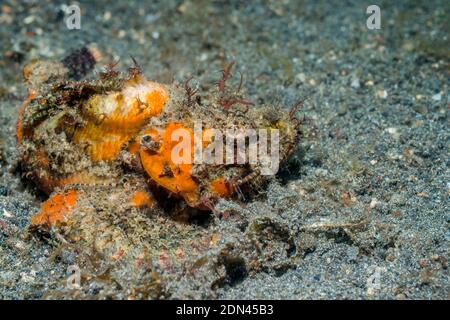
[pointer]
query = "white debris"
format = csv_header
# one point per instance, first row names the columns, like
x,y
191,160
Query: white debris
x,y
373,203
382,94
155,35
7,214
355,83
393,132
301,77
106,16
437,97
26,278
28,19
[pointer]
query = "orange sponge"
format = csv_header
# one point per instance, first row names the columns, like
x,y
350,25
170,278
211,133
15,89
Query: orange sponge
x,y
56,209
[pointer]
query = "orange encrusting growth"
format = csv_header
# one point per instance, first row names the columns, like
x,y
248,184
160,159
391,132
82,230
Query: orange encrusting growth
x,y
141,199
42,158
175,177
19,126
118,117
221,188
56,209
